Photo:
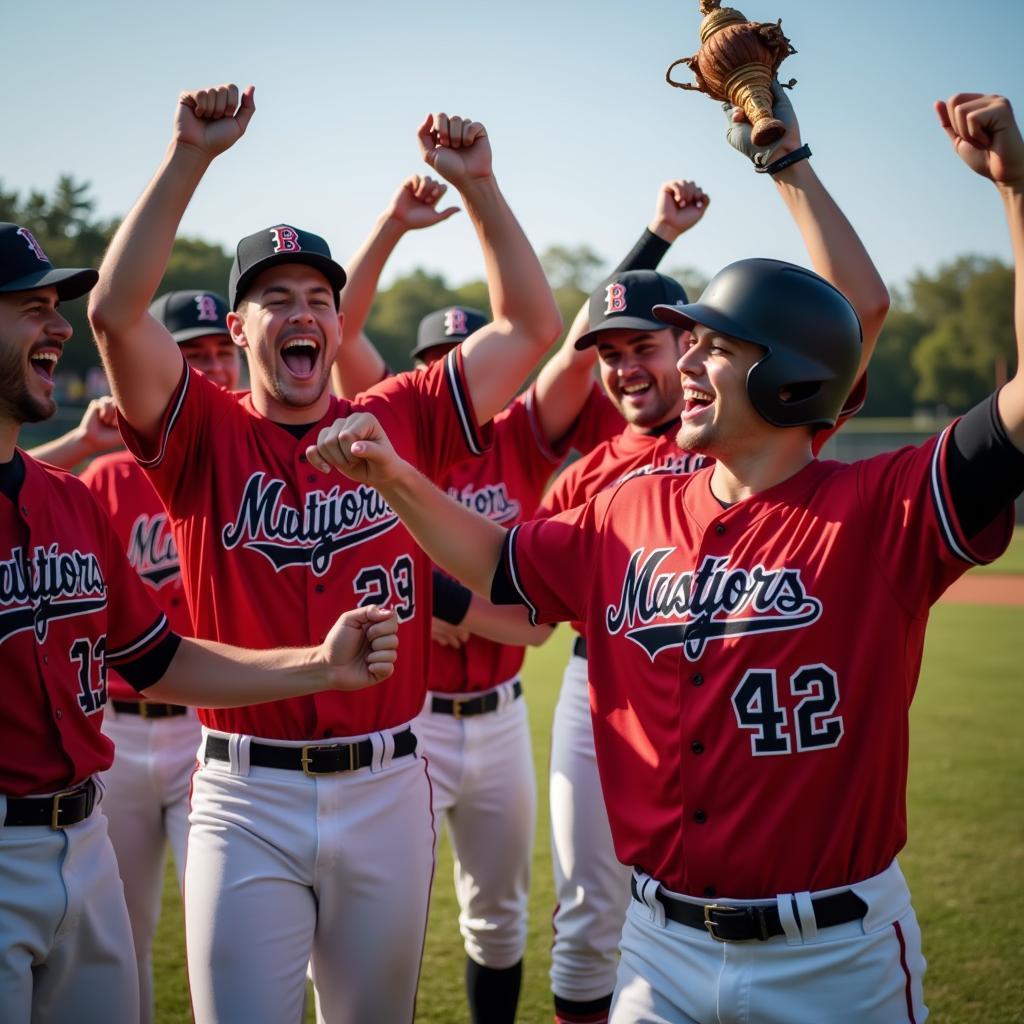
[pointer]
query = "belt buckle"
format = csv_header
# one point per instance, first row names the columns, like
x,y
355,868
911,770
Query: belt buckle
x,y
351,749
143,709
456,708
710,923
755,915
55,812
307,760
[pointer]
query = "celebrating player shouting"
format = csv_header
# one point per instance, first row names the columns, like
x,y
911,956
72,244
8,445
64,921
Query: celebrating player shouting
x,y
71,608
311,827
637,356
733,703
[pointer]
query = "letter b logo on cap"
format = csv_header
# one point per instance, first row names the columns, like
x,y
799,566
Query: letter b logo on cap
x,y
30,241
206,308
614,298
455,322
286,239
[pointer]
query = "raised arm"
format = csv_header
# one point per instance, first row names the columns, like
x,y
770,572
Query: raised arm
x,y
566,378
96,434
986,137
461,542
359,365
833,246
499,357
143,363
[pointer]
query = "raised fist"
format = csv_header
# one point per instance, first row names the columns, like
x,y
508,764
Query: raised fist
x,y
456,148
680,205
213,120
985,135
414,205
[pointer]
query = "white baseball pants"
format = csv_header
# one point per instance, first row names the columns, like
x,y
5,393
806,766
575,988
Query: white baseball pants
x,y
65,941
281,865
591,885
147,806
862,972
485,791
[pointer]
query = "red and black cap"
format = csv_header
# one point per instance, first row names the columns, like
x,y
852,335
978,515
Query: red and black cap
x,y
191,314
281,244
24,266
448,326
625,302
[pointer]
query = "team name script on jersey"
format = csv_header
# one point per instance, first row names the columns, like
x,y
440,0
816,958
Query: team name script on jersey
x,y
491,500
710,603
151,550
329,522
48,584
674,465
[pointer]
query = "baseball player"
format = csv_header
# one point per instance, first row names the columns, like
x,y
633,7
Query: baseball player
x,y
637,357
147,788
474,726
753,748
311,824
71,610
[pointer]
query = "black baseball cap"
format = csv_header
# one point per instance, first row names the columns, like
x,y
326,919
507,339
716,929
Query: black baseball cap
x,y
281,244
625,302
191,314
448,326
24,266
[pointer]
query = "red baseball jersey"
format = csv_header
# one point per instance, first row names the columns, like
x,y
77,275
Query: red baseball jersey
x,y
747,663
598,421
71,608
140,521
635,453
272,551
504,484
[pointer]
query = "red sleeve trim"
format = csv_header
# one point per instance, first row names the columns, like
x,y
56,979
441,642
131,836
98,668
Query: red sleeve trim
x,y
949,525
510,565
477,440
138,446
141,645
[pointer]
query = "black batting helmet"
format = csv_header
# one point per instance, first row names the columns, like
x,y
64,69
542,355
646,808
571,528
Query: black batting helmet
x,y
810,332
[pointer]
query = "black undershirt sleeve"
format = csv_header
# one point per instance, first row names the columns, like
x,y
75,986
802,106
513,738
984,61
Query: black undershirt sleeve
x,y
12,476
502,590
150,668
451,598
646,254
985,468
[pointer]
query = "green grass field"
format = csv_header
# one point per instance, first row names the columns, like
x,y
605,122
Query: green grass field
x,y
965,859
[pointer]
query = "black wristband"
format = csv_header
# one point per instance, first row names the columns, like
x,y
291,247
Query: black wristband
x,y
450,598
786,161
646,254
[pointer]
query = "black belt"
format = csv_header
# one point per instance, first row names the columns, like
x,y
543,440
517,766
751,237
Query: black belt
x,y
147,709
741,924
579,646
57,811
313,758
467,707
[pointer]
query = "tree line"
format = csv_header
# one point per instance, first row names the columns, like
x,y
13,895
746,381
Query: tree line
x,y
948,338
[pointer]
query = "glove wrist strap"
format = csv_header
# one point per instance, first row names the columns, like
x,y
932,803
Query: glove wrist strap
x,y
786,161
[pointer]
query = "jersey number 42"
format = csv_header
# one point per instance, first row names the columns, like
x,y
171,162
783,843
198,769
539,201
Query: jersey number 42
x,y
815,727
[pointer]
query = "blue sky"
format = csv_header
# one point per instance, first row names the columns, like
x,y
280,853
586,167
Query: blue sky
x,y
582,125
